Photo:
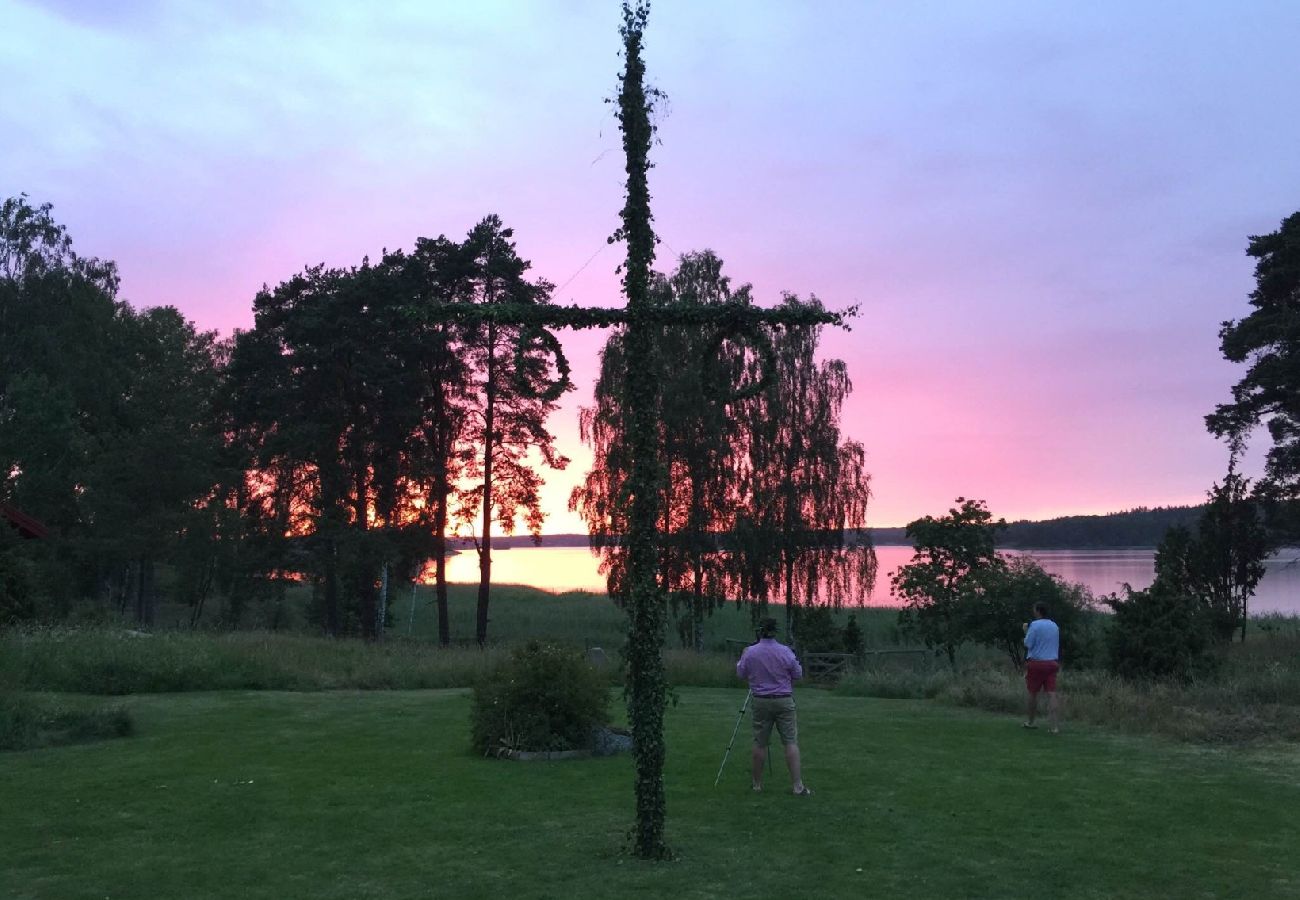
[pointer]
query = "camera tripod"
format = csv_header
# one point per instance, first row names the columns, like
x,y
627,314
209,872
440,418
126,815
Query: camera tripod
x,y
749,695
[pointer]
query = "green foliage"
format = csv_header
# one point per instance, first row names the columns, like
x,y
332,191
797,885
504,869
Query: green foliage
x,y
28,722
853,640
1253,696
20,578
107,661
1217,566
61,374
958,589
954,559
1274,623
787,527
1158,633
1166,630
107,429
543,697
996,616
1269,342
324,398
817,631
646,686
1230,547
359,403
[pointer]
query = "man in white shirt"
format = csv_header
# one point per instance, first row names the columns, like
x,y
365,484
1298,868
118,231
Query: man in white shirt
x,y
1042,662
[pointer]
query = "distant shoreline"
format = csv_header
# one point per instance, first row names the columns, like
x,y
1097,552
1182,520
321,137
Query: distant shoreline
x,y
1136,529
500,542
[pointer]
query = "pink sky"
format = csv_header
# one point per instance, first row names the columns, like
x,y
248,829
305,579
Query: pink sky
x,y
1041,209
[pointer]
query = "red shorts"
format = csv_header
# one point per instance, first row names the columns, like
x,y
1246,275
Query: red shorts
x,y
1040,675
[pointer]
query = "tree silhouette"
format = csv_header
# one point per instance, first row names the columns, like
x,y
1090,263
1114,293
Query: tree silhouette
x,y
1268,339
954,559
802,537
515,395
697,441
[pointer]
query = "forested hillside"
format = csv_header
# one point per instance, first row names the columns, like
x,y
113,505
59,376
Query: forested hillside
x,y
1139,527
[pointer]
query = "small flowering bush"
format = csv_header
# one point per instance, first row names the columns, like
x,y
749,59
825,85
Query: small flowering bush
x,y
542,697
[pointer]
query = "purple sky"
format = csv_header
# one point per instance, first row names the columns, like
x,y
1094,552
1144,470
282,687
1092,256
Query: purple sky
x,y
1041,208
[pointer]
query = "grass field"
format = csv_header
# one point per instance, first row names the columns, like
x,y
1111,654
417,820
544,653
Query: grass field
x,y
350,795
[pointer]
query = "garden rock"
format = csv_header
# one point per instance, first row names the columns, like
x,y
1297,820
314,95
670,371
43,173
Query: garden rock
x,y
606,741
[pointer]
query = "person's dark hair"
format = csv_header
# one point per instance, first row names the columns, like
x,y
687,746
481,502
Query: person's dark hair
x,y
1040,609
767,628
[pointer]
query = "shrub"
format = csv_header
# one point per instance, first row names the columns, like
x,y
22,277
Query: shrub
x,y
852,637
997,615
543,697
816,631
1158,633
19,580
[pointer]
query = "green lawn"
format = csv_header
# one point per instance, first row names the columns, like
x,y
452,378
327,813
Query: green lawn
x,y
356,795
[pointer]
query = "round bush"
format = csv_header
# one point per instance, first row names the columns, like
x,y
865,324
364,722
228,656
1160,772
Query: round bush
x,y
542,698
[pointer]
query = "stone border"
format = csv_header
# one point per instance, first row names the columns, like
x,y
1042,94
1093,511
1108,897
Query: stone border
x,y
543,755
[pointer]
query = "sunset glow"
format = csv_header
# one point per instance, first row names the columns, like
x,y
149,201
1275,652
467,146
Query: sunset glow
x,y
1041,210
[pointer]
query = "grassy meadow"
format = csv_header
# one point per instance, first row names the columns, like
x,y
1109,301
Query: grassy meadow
x,y
374,794
210,763
1254,696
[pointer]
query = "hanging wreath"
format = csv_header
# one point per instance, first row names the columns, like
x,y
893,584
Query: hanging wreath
x,y
531,336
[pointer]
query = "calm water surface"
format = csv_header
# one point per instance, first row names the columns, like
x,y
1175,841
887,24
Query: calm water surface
x,y
1102,571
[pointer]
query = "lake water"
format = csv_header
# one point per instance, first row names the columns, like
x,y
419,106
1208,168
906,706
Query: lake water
x,y
1102,571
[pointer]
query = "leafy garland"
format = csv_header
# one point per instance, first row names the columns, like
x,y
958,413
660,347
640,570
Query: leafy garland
x,y
550,344
719,315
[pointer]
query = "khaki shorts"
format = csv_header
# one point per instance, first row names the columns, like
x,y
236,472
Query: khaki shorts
x,y
778,711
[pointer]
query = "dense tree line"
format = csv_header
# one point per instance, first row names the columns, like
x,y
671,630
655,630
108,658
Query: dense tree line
x,y
340,440
346,436
108,432
1140,527
373,431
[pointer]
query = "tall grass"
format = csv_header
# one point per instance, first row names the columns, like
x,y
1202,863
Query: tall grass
x,y
99,661
28,722
1254,695
115,662
519,612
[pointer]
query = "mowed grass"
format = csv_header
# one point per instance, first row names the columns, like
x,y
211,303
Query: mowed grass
x,y
352,795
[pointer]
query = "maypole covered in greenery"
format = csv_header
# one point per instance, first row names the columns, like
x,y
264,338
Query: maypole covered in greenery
x,y
642,321
646,613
